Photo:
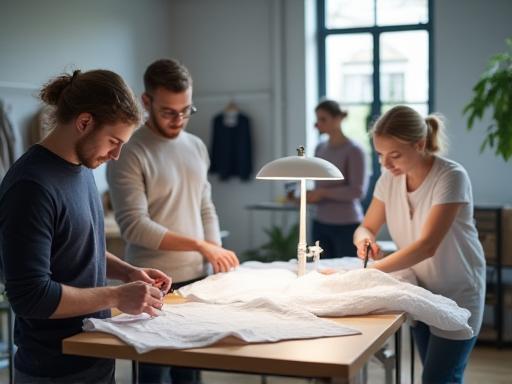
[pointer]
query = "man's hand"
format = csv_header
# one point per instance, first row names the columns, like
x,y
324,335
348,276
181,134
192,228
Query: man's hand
x,y
222,260
151,276
137,297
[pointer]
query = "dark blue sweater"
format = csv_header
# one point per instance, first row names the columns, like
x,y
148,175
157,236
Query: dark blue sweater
x,y
51,233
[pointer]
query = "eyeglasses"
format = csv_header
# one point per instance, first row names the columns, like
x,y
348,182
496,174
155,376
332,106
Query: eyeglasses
x,y
173,115
170,114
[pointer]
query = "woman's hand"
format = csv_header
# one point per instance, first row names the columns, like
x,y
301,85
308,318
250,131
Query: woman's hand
x,y
328,271
315,195
375,251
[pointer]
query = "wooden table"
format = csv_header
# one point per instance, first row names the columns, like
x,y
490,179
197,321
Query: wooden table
x,y
337,357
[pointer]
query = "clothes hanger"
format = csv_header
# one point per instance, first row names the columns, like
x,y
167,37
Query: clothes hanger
x,y
231,106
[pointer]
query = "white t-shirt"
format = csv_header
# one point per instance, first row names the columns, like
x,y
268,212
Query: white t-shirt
x,y
457,269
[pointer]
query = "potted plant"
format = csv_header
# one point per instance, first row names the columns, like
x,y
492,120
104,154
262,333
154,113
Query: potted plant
x,y
494,91
281,245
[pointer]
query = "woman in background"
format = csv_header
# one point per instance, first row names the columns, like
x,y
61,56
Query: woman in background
x,y
427,203
338,203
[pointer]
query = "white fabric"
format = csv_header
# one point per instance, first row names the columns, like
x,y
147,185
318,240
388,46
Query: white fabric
x,y
341,264
457,270
161,184
194,325
355,292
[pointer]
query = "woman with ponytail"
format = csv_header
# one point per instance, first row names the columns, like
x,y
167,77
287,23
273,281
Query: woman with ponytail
x,y
338,203
426,201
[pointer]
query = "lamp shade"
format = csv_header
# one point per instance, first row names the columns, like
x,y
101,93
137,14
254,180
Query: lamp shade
x,y
299,168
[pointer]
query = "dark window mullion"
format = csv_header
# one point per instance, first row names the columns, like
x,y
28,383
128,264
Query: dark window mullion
x,y
386,28
322,36
430,30
376,105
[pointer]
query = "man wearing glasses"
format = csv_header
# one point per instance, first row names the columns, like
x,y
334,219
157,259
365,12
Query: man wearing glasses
x,y
161,195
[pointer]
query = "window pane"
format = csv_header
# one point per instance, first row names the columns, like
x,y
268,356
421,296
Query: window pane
x,y
349,13
404,67
399,12
349,72
349,65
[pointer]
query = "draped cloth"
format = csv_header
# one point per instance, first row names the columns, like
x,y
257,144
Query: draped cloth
x,y
7,142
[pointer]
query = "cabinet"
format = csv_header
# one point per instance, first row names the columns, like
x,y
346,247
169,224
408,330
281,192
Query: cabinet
x,y
493,224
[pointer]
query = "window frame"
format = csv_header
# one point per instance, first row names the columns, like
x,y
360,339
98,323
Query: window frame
x,y
323,32
376,105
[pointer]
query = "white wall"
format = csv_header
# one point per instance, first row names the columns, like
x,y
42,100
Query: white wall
x,y
40,39
466,34
251,52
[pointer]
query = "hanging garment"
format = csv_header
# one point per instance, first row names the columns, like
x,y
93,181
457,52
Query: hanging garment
x,y
41,124
231,146
7,142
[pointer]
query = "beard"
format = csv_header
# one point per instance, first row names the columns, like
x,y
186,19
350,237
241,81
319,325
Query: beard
x,y
169,132
86,151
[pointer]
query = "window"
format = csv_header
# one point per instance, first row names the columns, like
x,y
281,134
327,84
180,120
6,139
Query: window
x,y
374,54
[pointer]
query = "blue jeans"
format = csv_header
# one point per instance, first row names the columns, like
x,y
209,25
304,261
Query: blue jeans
x,y
160,374
335,239
444,360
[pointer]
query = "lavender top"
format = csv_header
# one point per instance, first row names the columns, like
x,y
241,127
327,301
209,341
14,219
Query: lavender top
x,y
342,205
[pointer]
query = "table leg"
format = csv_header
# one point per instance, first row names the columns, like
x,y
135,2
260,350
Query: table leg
x,y
135,372
413,357
398,355
10,343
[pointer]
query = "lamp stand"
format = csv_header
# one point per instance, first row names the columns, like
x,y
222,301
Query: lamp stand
x,y
302,246
303,251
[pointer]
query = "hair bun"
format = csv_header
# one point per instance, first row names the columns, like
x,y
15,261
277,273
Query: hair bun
x,y
52,91
75,75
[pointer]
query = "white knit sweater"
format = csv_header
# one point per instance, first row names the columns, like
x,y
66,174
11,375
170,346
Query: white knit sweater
x,y
160,184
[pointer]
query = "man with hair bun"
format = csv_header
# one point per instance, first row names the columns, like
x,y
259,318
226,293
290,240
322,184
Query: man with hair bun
x,y
53,260
427,203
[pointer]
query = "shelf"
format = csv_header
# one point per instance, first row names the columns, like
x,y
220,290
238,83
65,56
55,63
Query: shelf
x,y
489,223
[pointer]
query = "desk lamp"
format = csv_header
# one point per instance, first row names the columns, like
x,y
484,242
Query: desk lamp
x,y
301,168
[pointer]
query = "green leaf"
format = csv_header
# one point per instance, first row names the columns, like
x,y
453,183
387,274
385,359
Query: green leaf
x,y
493,91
